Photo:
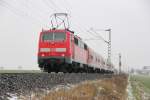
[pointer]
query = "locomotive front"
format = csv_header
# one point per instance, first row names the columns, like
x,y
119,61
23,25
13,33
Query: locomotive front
x,y
54,49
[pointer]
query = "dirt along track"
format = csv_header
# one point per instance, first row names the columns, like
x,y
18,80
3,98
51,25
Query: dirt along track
x,y
26,85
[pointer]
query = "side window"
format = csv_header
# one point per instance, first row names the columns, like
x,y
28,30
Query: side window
x,y
98,60
85,46
75,40
81,44
91,57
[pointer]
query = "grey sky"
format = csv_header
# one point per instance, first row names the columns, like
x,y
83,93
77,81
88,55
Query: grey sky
x,y
22,20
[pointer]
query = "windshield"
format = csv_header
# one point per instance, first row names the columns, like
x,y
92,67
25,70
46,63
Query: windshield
x,y
53,36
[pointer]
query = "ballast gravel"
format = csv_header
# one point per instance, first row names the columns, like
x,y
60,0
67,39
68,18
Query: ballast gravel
x,y
25,83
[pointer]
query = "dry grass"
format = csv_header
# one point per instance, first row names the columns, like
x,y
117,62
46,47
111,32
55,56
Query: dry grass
x,y
106,89
81,92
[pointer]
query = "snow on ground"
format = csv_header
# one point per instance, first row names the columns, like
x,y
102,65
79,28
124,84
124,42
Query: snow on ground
x,y
12,97
129,91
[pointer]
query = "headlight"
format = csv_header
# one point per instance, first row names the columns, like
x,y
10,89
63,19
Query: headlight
x,y
44,49
42,55
60,49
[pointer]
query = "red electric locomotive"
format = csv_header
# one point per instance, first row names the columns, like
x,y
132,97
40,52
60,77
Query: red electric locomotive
x,y
62,51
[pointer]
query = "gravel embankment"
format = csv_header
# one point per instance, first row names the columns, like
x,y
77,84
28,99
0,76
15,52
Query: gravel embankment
x,y
24,83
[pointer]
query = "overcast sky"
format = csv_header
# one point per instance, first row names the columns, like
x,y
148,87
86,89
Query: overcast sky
x,y
22,20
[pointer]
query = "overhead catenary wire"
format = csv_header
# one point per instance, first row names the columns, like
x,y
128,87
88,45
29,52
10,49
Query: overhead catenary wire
x,y
49,5
40,13
79,27
56,7
28,5
99,36
37,17
31,17
24,14
20,12
88,34
66,6
33,13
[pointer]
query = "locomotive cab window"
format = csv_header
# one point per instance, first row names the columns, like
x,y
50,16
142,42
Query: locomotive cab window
x,y
53,36
59,36
47,36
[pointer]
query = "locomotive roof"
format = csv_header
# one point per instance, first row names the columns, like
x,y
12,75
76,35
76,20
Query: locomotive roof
x,y
44,30
61,30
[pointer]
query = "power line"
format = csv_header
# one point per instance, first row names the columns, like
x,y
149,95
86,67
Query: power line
x,y
48,5
66,6
99,36
54,4
19,12
88,34
37,12
29,7
24,14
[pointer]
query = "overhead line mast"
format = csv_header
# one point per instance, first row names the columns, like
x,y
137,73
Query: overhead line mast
x,y
106,41
120,64
109,46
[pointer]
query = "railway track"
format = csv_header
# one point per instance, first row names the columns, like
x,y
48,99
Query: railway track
x,y
25,83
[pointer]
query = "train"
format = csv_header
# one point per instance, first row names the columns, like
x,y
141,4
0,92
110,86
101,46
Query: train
x,y
60,50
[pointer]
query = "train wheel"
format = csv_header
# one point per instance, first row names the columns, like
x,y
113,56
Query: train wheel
x,y
45,68
64,70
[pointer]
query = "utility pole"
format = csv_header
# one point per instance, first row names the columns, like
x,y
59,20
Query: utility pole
x,y
120,63
109,46
106,41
